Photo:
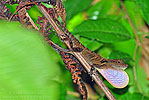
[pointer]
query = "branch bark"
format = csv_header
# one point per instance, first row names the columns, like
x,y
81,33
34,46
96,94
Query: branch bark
x,y
95,75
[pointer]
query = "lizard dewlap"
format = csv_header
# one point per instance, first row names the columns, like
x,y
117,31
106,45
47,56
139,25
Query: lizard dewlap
x,y
117,78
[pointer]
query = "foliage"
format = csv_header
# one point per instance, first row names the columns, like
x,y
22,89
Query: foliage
x,y
25,63
30,69
104,30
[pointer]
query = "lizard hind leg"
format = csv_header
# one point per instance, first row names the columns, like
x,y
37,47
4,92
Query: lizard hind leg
x,y
58,48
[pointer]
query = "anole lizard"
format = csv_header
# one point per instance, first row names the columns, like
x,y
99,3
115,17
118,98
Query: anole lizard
x,y
111,70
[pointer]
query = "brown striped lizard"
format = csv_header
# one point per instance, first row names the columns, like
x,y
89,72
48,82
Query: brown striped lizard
x,y
111,70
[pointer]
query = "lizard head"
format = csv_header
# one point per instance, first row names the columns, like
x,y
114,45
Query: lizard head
x,y
117,64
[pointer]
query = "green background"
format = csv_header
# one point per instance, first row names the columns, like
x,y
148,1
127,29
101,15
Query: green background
x,y
31,70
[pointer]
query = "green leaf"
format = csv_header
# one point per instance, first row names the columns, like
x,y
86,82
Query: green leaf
x,y
144,5
143,83
28,70
90,44
124,46
120,55
12,8
104,30
74,7
34,12
105,51
134,96
75,21
147,37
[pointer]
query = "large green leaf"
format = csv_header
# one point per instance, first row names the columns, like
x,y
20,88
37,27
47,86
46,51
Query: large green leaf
x,y
104,30
75,6
124,46
90,44
134,96
27,68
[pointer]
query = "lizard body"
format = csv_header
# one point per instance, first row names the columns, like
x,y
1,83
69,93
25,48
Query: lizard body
x,y
111,70
91,57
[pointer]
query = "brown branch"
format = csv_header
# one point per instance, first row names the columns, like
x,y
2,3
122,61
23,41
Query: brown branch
x,y
20,7
32,22
94,76
138,43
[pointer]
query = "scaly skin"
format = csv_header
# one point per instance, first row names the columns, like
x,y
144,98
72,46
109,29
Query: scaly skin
x,y
91,57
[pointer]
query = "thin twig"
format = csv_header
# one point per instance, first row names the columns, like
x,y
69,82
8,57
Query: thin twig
x,y
138,43
134,69
76,94
94,76
133,28
30,3
32,22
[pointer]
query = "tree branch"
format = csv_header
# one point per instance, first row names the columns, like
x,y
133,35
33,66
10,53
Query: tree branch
x,y
94,76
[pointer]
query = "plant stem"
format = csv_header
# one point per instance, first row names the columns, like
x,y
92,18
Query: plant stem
x,y
133,28
134,69
138,43
32,22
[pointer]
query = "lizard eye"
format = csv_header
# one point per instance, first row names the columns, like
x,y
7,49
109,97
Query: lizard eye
x,y
119,61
